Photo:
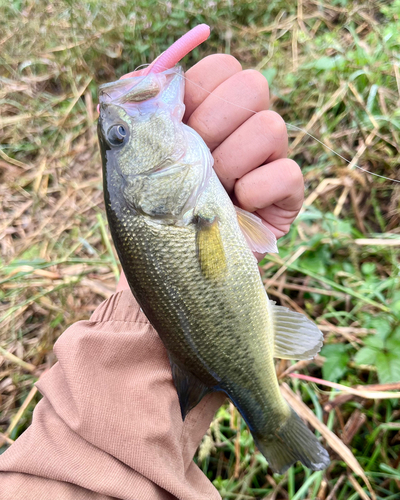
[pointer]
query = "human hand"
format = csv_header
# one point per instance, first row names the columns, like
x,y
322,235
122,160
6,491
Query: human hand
x,y
249,149
249,146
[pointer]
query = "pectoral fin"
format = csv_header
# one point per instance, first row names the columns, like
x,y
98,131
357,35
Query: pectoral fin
x,y
259,238
296,337
210,249
189,388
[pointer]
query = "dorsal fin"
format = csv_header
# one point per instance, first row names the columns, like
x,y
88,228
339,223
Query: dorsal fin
x,y
189,388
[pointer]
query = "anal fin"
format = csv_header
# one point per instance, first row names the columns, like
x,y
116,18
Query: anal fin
x,y
189,388
296,337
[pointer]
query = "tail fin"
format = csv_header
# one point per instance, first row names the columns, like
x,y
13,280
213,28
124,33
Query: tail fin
x,y
293,441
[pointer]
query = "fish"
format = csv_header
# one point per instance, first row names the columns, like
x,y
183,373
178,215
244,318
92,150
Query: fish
x,y
187,253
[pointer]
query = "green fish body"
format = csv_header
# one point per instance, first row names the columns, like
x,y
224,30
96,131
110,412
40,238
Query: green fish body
x,y
185,251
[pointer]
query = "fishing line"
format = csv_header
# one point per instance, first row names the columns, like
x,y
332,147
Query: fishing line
x,y
293,127
289,125
339,155
144,65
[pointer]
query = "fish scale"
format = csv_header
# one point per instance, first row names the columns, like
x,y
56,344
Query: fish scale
x,y
179,239
185,308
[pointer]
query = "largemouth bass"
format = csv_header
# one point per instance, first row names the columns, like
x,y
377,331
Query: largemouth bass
x,y
187,255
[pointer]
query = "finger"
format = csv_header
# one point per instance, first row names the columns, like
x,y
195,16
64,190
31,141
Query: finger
x,y
205,76
261,139
275,191
230,105
277,219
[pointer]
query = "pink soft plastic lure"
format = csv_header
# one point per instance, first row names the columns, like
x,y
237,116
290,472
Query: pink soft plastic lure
x,y
179,49
175,53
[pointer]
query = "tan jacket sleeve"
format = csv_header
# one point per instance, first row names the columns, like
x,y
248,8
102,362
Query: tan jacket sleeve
x,y
109,423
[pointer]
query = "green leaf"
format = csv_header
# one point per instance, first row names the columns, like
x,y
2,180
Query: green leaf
x,y
337,227
269,74
290,79
396,334
336,361
316,261
324,63
382,326
375,341
314,264
395,305
388,367
347,267
393,343
368,268
365,356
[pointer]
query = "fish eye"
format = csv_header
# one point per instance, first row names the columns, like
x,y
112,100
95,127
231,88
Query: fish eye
x,y
116,135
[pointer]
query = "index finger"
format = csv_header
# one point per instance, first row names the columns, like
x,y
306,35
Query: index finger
x,y
206,76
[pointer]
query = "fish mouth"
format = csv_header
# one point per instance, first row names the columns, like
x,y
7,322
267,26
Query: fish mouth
x,y
109,113
128,93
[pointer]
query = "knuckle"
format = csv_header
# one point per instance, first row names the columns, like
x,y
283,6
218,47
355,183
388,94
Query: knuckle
x,y
255,82
294,176
221,167
225,60
224,64
203,127
242,195
274,125
285,228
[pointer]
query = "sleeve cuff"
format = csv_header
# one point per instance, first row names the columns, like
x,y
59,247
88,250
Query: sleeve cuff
x,y
121,306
